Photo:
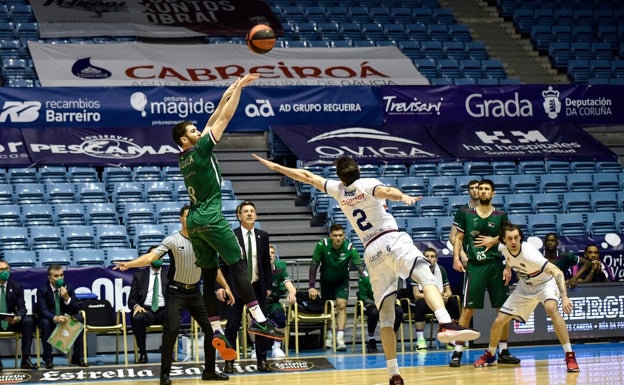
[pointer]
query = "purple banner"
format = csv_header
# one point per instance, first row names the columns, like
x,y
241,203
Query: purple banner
x,y
549,140
520,105
399,143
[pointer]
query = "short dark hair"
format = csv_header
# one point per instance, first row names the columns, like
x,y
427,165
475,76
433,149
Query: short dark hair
x,y
488,181
54,266
509,227
473,181
347,170
184,208
244,203
335,227
179,130
592,245
431,250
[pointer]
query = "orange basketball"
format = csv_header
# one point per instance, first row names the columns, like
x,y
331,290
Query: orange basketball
x,y
260,38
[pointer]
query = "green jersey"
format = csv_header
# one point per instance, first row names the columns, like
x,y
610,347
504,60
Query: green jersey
x,y
472,225
202,177
565,261
335,263
280,277
365,290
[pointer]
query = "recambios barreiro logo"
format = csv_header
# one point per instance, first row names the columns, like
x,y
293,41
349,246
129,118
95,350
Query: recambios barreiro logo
x,y
20,112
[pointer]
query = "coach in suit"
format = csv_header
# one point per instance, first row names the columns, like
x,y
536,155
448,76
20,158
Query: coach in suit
x,y
49,315
13,302
147,302
255,245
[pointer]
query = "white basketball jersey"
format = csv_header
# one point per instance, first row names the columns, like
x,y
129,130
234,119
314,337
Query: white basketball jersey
x,y
528,264
366,214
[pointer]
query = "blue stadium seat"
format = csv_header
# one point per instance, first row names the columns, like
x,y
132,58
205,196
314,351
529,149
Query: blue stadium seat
x,y
22,175
454,50
602,50
502,167
604,201
137,213
38,215
167,212
29,193
111,236
14,238
449,68
422,229
476,50
459,32
101,214
401,15
454,202
571,224
607,166
92,192
524,184
438,32
558,167
583,167
580,182
579,71
423,169
442,185
393,170
416,31
124,192
66,214
560,54
10,215
337,13
471,68
522,222
608,33
147,235
576,202
443,16
400,209
547,203
351,31
172,173
20,258
147,173
532,167
427,67
46,237
580,50
27,30
619,221
88,257
444,225
600,68
229,208
553,183
373,31
451,168
442,81
61,192
519,204
479,168
541,224
111,174
395,32
413,185
502,183
77,174
329,30
432,206
432,49
411,49
422,15
563,33
11,48
158,191
123,254
359,14
606,182
78,237
49,257
493,68
54,174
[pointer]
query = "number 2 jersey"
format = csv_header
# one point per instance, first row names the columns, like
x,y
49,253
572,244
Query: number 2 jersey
x,y
366,214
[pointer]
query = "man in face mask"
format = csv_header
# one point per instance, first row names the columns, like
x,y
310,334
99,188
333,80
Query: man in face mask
x,y
56,303
147,302
12,302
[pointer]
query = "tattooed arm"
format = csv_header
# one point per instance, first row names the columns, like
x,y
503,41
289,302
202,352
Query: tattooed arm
x,y
553,270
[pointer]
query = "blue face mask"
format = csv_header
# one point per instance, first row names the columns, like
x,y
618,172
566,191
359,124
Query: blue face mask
x,y
157,263
4,275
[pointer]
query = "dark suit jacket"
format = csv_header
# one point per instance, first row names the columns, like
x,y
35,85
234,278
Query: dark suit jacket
x,y
45,302
15,299
140,284
263,260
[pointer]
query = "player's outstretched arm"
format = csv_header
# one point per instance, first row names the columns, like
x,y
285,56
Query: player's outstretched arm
x,y
394,194
297,174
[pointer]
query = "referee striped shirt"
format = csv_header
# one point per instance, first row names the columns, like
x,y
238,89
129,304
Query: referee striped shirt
x,y
183,268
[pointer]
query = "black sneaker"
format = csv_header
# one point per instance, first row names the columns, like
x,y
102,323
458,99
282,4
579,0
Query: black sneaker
x,y
266,329
454,331
504,357
371,346
456,359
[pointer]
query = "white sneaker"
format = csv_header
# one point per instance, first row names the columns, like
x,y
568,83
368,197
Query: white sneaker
x,y
278,353
340,344
329,343
421,344
253,354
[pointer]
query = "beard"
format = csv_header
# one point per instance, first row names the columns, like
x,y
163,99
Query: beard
x,y
485,202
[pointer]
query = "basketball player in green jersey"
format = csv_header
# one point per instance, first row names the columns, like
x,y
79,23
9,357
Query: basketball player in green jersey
x,y
209,232
477,234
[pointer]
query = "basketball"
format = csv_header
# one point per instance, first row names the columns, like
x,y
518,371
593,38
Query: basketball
x,y
260,39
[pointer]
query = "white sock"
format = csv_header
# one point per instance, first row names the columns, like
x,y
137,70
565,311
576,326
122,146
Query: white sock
x,y
567,347
257,313
420,335
216,326
492,350
502,345
393,367
277,344
459,347
329,334
443,316
340,334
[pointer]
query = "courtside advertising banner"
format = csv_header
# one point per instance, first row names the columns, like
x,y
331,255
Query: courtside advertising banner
x,y
520,105
151,18
402,143
138,64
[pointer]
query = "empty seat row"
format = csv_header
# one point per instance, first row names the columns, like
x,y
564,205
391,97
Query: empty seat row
x,y
74,257
60,174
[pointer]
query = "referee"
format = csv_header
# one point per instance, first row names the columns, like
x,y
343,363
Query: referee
x,y
182,293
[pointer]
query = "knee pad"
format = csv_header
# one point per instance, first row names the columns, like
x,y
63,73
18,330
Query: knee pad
x,y
386,313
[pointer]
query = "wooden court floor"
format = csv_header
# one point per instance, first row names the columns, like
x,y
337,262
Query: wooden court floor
x,y
600,364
